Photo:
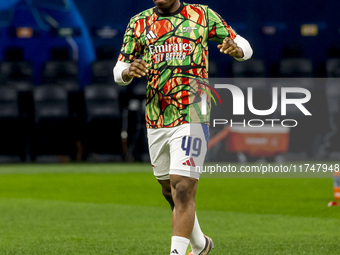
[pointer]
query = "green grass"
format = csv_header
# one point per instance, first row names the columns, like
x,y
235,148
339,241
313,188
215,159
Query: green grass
x,y
118,209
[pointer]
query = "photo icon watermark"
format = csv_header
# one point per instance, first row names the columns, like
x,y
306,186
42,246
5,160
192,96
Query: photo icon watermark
x,y
259,126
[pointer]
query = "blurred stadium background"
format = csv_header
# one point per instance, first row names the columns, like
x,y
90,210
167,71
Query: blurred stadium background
x,y
57,95
59,103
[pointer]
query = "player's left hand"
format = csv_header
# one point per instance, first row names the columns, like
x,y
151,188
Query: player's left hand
x,y
230,47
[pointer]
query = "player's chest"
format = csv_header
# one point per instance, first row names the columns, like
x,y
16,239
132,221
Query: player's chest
x,y
175,32
165,40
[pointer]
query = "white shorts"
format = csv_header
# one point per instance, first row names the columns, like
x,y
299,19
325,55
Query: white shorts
x,y
178,150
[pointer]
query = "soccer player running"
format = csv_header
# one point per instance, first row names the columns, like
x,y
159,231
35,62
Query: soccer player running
x,y
169,45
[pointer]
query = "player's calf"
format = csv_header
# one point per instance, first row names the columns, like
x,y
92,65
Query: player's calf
x,y
166,191
183,193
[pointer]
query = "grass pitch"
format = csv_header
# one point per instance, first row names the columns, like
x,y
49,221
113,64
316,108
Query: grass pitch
x,y
118,209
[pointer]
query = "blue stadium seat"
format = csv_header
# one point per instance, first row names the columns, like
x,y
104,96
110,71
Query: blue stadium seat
x,y
102,71
63,73
54,132
296,67
104,121
250,68
13,132
136,128
15,70
333,67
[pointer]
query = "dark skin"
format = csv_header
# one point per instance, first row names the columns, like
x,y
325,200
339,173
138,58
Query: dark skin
x,y
139,67
179,191
167,6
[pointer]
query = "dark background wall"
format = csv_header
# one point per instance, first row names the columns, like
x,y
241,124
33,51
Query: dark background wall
x,y
252,19
247,17
50,36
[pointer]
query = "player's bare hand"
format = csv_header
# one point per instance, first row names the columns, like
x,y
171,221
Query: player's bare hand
x,y
137,69
230,47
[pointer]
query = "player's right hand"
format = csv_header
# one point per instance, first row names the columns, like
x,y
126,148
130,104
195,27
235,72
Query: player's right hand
x,y
137,69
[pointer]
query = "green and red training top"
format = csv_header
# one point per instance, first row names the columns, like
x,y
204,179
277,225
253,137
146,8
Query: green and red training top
x,y
176,48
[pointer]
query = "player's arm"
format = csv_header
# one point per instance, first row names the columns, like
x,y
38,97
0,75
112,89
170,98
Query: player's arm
x,y
229,41
239,48
129,65
137,69
125,72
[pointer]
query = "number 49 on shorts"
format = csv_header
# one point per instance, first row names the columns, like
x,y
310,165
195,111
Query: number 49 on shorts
x,y
191,144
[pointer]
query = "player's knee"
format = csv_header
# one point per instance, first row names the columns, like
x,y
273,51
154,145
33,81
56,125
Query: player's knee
x,y
183,193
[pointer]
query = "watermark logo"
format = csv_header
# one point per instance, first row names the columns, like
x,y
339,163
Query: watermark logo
x,y
240,101
207,88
